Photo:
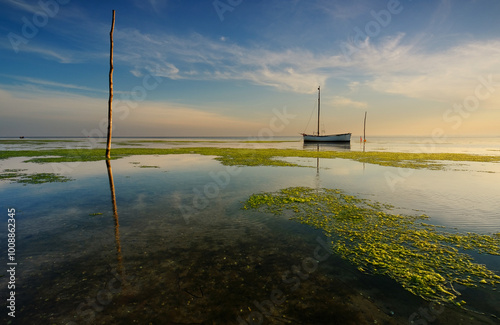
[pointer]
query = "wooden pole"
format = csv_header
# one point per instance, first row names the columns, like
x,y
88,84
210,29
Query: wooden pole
x,y
364,129
110,101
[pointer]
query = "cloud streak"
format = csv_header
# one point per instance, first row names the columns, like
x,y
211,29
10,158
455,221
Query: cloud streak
x,y
340,101
33,82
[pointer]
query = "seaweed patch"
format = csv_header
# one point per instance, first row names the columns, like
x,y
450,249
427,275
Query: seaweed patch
x,y
425,259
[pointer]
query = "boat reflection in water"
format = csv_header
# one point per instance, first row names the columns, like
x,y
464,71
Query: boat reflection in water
x,y
327,146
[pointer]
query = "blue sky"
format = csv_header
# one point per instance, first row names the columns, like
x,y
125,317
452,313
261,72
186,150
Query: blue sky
x,y
249,68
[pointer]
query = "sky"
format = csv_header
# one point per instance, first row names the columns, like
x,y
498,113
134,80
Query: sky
x,y
250,68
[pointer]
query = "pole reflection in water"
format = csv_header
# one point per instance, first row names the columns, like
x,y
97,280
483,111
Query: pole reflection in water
x,y
120,268
325,146
318,180
317,161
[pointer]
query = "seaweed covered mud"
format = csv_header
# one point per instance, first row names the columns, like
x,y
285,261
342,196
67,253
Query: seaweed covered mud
x,y
228,157
19,176
256,157
428,261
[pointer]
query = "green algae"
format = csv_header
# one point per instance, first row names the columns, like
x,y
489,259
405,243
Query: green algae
x,y
36,178
13,170
18,176
256,157
425,259
41,178
9,174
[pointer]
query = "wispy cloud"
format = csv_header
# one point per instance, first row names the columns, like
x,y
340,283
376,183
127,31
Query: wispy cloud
x,y
200,58
71,114
51,84
440,15
64,33
157,6
353,86
21,5
46,52
53,114
343,10
393,65
406,69
176,119
340,101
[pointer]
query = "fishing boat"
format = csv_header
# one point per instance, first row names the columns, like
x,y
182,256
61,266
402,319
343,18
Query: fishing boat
x,y
341,137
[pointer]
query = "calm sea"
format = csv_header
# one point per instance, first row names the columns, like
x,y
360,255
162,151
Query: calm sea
x,y
163,239
471,145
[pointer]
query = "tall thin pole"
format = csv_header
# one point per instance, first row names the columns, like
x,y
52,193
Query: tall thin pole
x,y
364,129
318,107
110,101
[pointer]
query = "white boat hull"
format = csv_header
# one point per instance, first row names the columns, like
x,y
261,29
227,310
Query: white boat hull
x,y
344,137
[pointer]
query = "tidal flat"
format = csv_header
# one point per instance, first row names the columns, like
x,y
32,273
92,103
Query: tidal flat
x,y
218,235
257,157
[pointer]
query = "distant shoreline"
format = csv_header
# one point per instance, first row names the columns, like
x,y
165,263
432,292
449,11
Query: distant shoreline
x,y
235,136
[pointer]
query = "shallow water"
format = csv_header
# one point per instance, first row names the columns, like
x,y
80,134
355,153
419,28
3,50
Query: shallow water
x,y
179,249
469,145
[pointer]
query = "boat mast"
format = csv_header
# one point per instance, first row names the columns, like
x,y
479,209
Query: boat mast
x,y
318,108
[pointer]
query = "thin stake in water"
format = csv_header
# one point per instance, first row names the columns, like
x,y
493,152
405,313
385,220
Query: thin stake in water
x,y
110,101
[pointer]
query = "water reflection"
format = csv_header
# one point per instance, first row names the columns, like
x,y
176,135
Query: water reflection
x,y
119,257
341,146
327,146
227,261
